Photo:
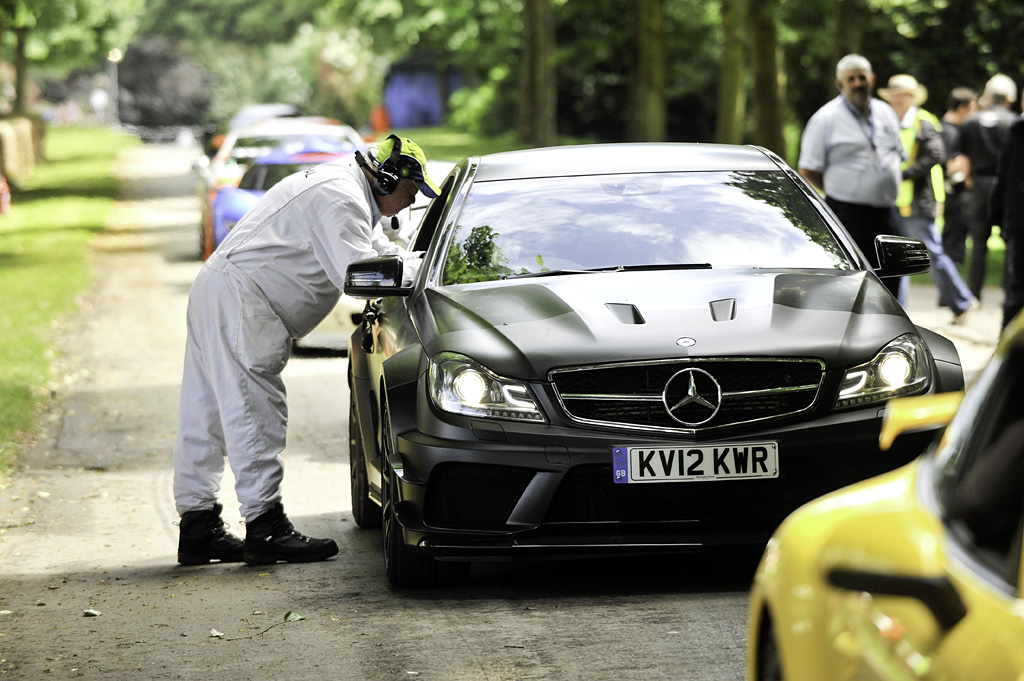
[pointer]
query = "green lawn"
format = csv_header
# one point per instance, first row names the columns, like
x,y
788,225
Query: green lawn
x,y
994,270
449,144
44,266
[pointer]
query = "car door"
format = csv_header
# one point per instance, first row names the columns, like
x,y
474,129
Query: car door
x,y
937,591
979,482
387,327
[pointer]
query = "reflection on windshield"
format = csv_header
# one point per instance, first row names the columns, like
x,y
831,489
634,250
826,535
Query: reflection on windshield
x,y
728,219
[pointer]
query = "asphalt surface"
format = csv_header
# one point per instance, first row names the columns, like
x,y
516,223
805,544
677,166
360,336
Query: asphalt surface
x,y
88,581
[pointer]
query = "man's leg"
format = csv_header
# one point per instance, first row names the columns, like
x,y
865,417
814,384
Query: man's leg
x,y
980,230
864,223
953,292
954,231
247,380
1013,280
199,445
199,456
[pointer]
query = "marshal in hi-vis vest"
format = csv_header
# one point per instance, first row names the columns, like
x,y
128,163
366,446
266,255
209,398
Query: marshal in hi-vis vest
x,y
905,198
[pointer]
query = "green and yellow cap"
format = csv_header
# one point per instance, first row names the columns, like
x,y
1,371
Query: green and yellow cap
x,y
412,163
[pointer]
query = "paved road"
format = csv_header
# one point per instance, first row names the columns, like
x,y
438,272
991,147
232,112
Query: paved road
x,y
88,526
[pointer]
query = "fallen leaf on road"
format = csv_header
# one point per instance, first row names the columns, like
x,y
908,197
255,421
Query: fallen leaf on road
x,y
216,634
89,612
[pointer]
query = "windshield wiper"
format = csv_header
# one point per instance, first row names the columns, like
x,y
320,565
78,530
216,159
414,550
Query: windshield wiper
x,y
614,268
660,266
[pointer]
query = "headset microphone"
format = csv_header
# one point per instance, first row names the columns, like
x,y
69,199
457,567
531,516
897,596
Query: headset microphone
x,y
385,175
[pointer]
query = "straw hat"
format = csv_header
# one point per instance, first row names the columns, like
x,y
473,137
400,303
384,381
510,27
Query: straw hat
x,y
901,83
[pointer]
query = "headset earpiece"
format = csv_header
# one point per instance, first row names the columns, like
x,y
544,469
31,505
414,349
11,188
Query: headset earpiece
x,y
385,175
387,172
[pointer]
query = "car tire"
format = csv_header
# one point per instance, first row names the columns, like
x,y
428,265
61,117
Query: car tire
x,y
366,513
769,666
405,567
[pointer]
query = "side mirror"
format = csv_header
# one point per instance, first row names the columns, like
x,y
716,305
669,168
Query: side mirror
x,y
899,256
915,414
376,278
936,593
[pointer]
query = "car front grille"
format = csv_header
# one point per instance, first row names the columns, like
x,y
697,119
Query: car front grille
x,y
639,395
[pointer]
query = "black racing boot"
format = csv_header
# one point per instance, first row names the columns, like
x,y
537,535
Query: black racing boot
x,y
203,536
272,537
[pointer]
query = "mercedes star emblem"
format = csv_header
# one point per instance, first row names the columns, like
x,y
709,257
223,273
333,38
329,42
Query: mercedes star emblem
x,y
692,397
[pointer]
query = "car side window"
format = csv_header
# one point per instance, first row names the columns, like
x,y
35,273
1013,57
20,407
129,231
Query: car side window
x,y
430,221
982,485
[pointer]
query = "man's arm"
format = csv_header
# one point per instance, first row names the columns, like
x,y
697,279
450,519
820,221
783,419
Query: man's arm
x,y
930,151
816,179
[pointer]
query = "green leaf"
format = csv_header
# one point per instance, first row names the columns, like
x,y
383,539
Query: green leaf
x,y
292,616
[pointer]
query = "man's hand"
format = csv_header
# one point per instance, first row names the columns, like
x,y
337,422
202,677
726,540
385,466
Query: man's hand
x,y
816,179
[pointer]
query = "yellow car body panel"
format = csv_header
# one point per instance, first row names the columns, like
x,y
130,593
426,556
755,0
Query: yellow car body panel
x,y
881,526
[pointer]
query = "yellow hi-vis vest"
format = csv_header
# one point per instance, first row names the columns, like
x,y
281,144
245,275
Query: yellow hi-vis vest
x,y
905,198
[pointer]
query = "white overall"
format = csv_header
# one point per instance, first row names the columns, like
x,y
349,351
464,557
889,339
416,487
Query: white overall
x,y
277,274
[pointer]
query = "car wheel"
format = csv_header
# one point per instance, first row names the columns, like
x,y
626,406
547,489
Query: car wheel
x,y
769,667
405,567
366,513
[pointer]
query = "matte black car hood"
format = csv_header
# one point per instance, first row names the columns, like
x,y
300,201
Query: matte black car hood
x,y
523,328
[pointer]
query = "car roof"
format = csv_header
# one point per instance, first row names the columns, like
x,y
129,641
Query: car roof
x,y
290,126
317,151
603,159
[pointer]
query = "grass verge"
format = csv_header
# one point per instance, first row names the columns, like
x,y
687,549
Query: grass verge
x,y
44,265
445,143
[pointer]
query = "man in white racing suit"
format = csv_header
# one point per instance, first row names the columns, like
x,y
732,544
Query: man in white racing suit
x,y
278,273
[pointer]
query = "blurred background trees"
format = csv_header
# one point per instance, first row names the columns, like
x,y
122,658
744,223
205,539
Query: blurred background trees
x,y
749,71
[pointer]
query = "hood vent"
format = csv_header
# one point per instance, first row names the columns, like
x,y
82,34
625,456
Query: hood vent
x,y
626,313
723,310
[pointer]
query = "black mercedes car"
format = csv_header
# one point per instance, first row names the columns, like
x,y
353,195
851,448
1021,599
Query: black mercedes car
x,y
623,349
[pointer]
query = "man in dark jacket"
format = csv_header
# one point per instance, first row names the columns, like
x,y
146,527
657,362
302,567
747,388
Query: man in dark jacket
x,y
1007,211
981,136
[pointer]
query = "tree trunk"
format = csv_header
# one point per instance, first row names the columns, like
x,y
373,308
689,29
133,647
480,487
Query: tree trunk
x,y
850,18
647,104
767,65
20,71
538,89
731,85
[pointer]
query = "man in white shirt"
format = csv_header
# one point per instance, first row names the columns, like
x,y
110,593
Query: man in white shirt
x,y
277,274
851,151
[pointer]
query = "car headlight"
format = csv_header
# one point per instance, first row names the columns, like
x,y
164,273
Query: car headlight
x,y
461,386
900,368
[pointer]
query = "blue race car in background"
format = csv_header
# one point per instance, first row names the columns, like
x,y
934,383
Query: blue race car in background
x,y
232,203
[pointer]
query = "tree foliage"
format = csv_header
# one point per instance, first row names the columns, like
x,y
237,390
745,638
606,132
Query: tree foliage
x,y
685,70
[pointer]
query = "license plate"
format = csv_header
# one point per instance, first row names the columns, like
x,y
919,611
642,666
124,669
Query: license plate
x,y
696,463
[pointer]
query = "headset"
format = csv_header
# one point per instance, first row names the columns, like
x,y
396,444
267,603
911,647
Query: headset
x,y
385,175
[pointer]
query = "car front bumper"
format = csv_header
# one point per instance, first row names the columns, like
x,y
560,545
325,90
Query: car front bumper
x,y
480,490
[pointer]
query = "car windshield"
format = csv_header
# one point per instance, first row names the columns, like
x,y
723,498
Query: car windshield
x,y
724,220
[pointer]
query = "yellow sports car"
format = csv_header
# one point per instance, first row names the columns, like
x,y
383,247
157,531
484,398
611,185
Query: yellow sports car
x,y
915,574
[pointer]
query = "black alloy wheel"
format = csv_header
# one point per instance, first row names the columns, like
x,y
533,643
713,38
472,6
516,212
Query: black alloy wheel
x,y
404,567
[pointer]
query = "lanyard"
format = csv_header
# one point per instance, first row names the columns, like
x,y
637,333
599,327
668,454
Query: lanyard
x,y
867,124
